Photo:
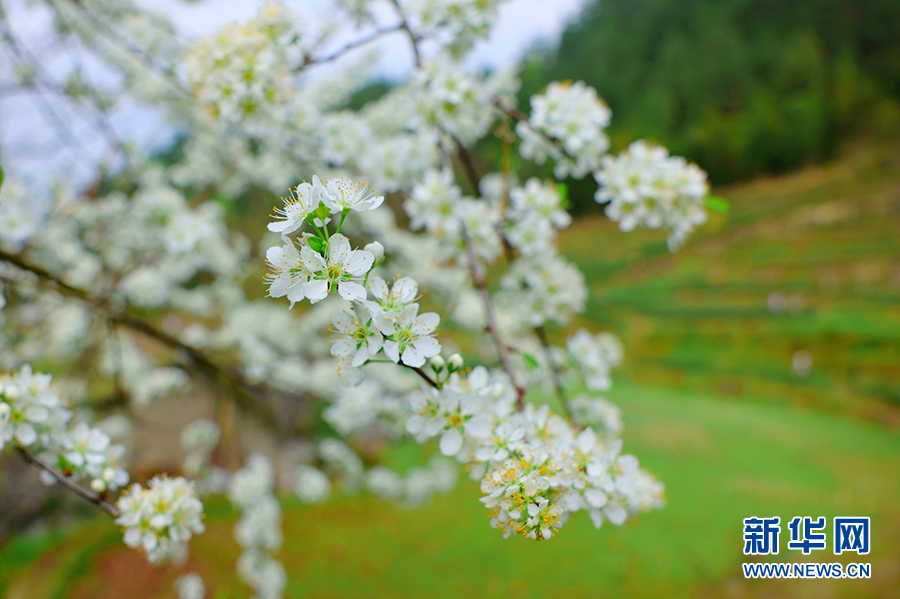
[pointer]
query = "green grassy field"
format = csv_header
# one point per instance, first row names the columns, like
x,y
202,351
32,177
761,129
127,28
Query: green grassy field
x,y
711,406
721,460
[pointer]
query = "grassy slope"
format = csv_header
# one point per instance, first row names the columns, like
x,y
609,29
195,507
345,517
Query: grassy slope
x,y
722,461
698,320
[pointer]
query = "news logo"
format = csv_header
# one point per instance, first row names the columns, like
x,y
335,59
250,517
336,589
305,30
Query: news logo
x,y
761,536
806,538
851,534
807,534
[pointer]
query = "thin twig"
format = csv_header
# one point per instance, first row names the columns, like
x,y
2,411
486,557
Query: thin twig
x,y
310,61
44,105
554,371
68,484
468,163
99,25
404,24
424,376
521,117
478,278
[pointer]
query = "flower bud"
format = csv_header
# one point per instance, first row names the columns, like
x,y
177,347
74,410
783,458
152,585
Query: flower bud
x,y
98,485
109,474
454,362
437,363
377,250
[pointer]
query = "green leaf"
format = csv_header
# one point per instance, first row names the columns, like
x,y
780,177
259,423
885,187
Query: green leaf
x,y
563,190
321,212
718,204
1,176
318,245
530,361
222,200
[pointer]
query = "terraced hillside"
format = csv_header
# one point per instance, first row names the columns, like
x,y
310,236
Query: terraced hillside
x,y
804,263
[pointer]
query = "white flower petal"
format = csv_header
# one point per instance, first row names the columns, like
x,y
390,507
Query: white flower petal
x,y
451,442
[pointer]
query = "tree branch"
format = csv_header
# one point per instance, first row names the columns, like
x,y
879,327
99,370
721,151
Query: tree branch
x,y
245,393
309,61
521,117
424,376
404,24
481,285
68,484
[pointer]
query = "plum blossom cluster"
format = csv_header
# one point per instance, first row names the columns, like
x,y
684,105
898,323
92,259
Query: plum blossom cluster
x,y
536,468
567,124
544,288
243,70
595,356
536,212
603,416
456,24
161,518
35,417
314,266
644,186
455,101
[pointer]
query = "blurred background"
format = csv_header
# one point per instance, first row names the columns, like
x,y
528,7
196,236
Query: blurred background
x,y
762,368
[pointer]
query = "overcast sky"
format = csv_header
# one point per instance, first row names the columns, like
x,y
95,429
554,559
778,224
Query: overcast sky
x,y
522,23
28,140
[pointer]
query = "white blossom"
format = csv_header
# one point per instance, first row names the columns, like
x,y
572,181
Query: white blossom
x,y
341,270
342,193
571,115
410,336
287,273
30,409
161,518
190,586
595,356
644,186
311,485
303,200
356,335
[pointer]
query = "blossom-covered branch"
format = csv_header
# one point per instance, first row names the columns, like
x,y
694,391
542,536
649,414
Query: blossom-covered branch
x,y
490,320
246,394
152,250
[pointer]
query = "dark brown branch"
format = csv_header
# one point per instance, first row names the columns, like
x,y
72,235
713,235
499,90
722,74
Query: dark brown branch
x,y
468,164
478,279
68,484
245,393
424,376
